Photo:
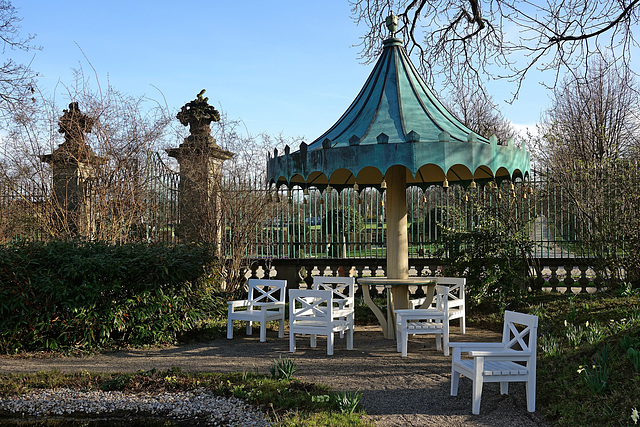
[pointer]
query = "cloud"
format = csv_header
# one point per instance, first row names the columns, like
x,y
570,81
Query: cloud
x,y
524,129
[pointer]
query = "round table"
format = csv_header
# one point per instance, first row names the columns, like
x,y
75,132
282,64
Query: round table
x,y
397,298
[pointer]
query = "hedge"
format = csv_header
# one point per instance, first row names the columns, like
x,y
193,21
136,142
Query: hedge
x,y
73,295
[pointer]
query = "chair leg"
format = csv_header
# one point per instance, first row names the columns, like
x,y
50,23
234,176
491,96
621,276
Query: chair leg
x,y
229,329
281,328
263,331
292,342
531,396
477,395
350,339
330,339
445,340
455,380
404,342
438,342
477,385
249,327
313,340
504,387
263,325
463,326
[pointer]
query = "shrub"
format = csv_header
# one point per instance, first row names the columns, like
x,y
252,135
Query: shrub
x,y
492,249
62,295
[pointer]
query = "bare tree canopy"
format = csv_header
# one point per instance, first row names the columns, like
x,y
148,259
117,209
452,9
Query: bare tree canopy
x,y
478,112
123,129
592,119
17,83
472,40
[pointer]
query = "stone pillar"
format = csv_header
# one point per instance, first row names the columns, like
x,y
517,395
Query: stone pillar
x,y
397,240
73,166
200,160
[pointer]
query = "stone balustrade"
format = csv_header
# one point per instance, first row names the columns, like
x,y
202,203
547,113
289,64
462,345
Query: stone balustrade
x,y
550,274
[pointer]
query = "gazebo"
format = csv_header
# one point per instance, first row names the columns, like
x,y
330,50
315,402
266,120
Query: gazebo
x,y
395,134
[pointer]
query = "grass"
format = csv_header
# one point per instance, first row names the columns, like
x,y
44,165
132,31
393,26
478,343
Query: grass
x,y
288,402
576,384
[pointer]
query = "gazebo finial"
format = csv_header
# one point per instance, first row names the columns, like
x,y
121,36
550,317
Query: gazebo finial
x,y
392,24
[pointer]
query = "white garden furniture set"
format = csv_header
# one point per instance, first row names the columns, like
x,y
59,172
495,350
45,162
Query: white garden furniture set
x,y
328,308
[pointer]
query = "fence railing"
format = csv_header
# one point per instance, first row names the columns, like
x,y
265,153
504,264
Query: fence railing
x,y
309,224
22,206
302,223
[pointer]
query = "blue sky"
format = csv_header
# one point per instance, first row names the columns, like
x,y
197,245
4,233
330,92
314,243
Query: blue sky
x,y
281,66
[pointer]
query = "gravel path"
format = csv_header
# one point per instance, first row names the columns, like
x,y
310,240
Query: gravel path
x,y
411,391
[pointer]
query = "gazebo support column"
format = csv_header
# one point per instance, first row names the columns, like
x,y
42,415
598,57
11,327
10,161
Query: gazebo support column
x,y
397,241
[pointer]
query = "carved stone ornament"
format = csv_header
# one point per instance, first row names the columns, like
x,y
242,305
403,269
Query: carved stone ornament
x,y
198,115
74,124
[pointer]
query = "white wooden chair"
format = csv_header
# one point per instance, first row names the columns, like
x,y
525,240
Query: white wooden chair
x,y
343,289
425,321
513,359
457,302
265,302
312,312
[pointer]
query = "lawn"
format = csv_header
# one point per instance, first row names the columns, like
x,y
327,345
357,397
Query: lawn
x,y
588,356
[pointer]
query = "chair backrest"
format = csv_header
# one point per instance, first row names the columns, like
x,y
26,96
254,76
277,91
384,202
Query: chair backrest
x,y
442,298
267,290
342,287
456,286
520,331
309,303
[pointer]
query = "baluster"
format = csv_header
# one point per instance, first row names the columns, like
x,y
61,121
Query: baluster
x,y
538,281
582,281
553,279
419,292
308,278
412,271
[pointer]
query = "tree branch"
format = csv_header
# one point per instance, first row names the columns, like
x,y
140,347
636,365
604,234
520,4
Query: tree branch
x,y
627,10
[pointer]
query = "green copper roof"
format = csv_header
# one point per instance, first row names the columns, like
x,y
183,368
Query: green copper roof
x,y
396,120
394,101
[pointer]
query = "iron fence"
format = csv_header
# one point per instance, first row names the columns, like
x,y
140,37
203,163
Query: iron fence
x,y
23,204
348,224
301,223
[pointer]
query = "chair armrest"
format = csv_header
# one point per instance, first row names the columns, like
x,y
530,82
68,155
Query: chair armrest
x,y
501,354
455,303
466,347
238,303
344,301
268,305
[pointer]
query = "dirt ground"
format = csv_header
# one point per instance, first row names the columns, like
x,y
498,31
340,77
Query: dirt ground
x,y
411,391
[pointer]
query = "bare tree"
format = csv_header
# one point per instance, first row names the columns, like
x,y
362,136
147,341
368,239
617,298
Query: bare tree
x,y
17,81
478,112
468,40
589,141
242,198
123,131
592,119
